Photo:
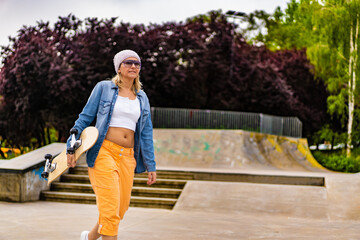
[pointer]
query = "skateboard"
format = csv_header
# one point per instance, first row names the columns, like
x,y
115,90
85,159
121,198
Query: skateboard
x,y
54,167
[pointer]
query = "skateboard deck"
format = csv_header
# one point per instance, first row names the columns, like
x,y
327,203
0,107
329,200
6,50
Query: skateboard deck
x,y
88,137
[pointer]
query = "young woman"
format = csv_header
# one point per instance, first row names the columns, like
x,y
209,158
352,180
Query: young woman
x,y
124,146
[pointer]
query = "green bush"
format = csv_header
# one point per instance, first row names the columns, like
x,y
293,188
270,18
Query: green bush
x,y
338,162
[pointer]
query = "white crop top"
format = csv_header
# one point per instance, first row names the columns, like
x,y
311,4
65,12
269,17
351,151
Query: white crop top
x,y
126,113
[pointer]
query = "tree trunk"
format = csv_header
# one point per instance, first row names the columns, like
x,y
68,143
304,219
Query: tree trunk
x,y
352,83
59,136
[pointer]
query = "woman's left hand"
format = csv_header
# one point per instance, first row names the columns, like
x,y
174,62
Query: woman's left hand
x,y
151,178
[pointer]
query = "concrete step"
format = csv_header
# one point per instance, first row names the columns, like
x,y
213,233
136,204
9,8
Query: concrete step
x,y
165,203
160,183
169,175
83,170
136,191
156,192
71,187
75,178
76,188
89,198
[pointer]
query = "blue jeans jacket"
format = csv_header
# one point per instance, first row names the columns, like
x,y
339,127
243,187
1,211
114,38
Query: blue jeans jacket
x,y
100,105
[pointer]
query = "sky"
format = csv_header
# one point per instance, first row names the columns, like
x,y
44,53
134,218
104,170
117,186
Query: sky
x,y
16,13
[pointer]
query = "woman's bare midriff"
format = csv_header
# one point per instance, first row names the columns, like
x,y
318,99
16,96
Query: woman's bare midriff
x,y
121,136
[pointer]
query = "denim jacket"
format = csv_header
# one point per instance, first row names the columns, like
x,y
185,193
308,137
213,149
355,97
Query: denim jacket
x,y
100,105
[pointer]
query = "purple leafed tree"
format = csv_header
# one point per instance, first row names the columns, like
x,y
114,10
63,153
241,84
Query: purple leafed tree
x,y
48,73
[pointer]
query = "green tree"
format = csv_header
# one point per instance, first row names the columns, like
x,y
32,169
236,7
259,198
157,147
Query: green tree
x,y
335,55
329,30
285,30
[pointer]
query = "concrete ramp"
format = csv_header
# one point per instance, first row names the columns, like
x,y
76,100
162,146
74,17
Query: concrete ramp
x,y
232,149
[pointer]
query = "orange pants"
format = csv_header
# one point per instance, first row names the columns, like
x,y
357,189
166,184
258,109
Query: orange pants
x,y
112,180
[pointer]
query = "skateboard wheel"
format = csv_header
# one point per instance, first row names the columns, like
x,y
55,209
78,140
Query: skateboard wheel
x,y
73,131
48,156
44,174
70,150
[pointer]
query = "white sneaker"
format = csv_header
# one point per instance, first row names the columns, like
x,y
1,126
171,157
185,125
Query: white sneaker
x,y
84,235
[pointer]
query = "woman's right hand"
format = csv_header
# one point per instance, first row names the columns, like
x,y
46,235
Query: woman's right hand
x,y
151,178
71,162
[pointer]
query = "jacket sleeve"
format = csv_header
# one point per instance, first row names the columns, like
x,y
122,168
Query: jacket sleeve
x,y
88,114
147,148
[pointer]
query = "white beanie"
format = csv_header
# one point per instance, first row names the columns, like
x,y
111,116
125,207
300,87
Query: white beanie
x,y
122,55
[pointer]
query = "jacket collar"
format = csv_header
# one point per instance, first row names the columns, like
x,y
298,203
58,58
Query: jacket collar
x,y
113,86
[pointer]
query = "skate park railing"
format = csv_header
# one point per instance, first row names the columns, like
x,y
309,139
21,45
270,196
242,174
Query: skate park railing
x,y
215,119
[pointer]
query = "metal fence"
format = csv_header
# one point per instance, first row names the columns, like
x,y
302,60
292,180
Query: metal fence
x,y
214,119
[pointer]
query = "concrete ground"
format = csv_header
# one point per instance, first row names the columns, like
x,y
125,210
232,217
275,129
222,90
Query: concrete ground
x,y
214,210
207,210
59,221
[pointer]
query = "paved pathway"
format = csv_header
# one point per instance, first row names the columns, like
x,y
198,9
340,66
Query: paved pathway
x,y
59,221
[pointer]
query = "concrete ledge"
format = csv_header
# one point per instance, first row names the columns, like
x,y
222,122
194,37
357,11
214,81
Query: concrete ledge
x,y
267,177
20,177
30,160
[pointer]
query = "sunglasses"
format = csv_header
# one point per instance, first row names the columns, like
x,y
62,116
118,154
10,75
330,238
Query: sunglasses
x,y
129,63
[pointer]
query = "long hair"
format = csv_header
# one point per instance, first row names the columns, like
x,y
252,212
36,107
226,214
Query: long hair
x,y
118,81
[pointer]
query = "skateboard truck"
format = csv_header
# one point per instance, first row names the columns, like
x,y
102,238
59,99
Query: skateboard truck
x,y
49,166
89,137
74,144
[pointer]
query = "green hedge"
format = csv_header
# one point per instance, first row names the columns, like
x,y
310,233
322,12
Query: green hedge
x,y
337,161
